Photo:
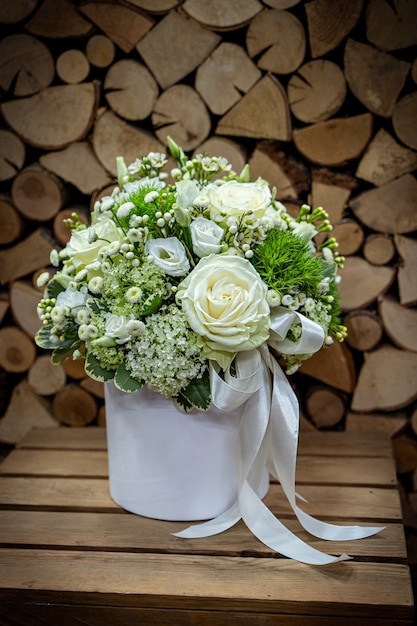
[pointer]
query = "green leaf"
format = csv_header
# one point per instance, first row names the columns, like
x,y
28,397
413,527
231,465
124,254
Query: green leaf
x,y
124,381
54,288
153,306
95,371
198,392
42,338
182,403
60,354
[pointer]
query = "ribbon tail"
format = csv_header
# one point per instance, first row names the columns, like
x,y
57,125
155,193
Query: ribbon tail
x,y
268,529
282,457
213,527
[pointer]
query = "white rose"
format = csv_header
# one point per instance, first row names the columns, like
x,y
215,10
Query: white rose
x,y
168,254
233,198
206,236
224,300
117,327
82,251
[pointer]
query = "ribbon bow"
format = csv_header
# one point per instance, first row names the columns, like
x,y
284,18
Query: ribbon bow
x,y
268,439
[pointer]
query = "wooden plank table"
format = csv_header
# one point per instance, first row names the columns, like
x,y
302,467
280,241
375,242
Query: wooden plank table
x,y
69,555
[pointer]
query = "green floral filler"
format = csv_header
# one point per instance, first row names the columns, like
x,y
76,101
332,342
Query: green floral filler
x,y
185,267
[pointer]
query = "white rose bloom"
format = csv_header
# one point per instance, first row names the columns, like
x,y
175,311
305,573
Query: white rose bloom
x,y
224,300
206,236
81,251
168,254
187,191
234,198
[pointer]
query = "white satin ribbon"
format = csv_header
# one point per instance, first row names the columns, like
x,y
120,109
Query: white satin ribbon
x,y
268,438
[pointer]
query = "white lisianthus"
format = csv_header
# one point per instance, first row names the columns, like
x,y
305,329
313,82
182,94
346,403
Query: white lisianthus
x,y
117,328
206,236
168,254
187,191
71,299
234,198
224,301
82,251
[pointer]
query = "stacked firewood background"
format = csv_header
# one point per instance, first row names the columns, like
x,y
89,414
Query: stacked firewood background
x,y
320,97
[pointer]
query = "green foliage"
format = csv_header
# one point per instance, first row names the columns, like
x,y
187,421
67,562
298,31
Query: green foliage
x,y
95,371
196,395
124,381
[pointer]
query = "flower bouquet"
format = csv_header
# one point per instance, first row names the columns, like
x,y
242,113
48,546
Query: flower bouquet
x,y
193,287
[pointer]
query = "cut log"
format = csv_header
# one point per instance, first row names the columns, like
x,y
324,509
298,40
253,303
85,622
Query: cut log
x,y
390,208
38,194
332,365
24,300
113,137
379,249
58,19
390,425
387,380
391,26
26,256
235,153
385,159
13,11
78,165
362,283
404,120
180,113
101,416
93,386
331,190
74,368
188,43
399,322
25,411
45,378
317,91
100,51
72,66
225,76
278,41
283,171
17,350
219,15
413,422
130,89
407,275
155,6
405,454
74,406
125,26
336,141
12,225
38,120
326,407
329,22
25,63
364,67
349,235
4,307
280,4
262,113
62,232
12,154
414,71
364,330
